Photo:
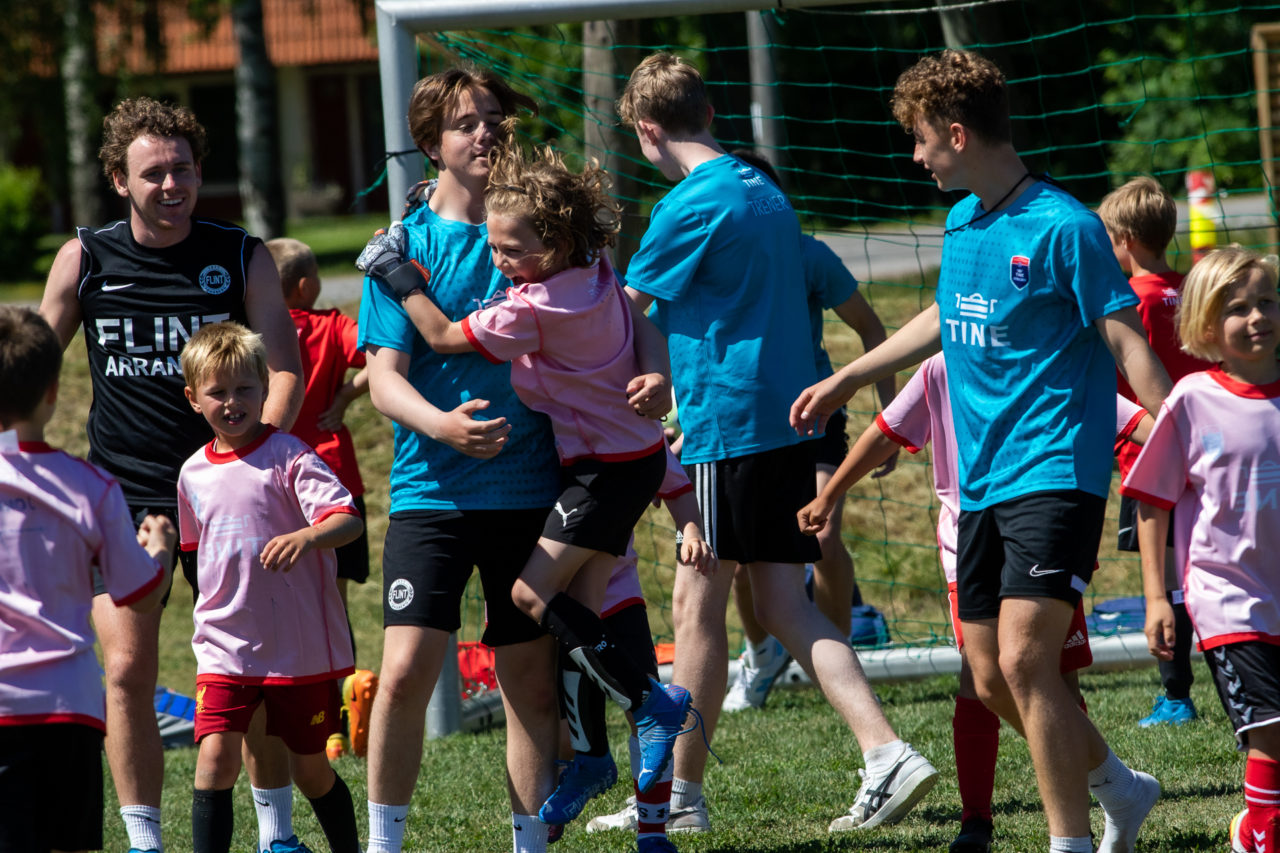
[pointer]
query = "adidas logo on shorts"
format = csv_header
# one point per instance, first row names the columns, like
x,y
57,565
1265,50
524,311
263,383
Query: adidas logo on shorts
x,y
1076,639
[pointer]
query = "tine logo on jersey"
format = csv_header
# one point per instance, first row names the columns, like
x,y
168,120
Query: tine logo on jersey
x,y
214,279
965,330
1019,271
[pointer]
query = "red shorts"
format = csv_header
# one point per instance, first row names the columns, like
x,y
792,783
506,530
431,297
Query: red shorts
x,y
302,715
1076,653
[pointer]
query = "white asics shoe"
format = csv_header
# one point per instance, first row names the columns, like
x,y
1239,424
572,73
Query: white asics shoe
x,y
755,677
690,818
887,799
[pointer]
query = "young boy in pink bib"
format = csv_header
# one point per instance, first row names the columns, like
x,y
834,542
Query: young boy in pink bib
x,y
59,517
265,515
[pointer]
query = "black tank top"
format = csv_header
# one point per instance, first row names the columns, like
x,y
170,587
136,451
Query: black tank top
x,y
140,306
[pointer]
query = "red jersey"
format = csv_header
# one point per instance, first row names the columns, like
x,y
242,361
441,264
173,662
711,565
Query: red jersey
x,y
327,340
1159,295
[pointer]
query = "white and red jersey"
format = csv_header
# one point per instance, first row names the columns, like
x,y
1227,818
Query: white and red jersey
x,y
624,584
59,516
571,346
919,413
1215,453
255,626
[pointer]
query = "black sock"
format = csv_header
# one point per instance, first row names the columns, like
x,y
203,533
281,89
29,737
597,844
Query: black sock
x,y
212,819
337,817
583,635
583,706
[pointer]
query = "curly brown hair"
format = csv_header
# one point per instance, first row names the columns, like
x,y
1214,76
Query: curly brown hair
x,y
668,91
144,116
955,86
434,96
573,214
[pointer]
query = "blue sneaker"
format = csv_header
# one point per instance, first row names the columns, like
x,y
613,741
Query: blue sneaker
x,y
583,778
655,844
658,723
1168,711
289,845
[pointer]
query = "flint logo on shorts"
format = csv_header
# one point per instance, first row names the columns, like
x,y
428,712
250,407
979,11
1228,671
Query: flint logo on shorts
x,y
400,594
1019,271
214,279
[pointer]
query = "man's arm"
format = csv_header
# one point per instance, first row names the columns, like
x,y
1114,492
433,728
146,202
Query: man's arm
x,y
60,304
1123,333
395,397
858,315
914,342
268,316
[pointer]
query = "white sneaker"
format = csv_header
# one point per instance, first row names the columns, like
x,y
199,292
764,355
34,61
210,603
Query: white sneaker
x,y
690,818
887,799
755,678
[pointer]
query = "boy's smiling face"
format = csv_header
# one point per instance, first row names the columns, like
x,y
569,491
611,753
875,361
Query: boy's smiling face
x,y
231,401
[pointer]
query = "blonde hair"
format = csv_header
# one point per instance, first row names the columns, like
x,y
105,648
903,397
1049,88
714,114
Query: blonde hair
x,y
294,261
955,86
573,214
669,91
1140,210
223,348
1205,290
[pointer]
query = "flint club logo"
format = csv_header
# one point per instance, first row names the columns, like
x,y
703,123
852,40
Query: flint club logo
x,y
214,279
400,594
1019,271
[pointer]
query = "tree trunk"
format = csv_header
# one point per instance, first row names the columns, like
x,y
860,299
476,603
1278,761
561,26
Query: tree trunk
x,y
78,75
257,125
605,69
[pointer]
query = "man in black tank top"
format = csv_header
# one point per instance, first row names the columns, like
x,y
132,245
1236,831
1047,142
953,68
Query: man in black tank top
x,y
140,288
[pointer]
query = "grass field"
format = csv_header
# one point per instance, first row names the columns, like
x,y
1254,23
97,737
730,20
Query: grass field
x,y
790,770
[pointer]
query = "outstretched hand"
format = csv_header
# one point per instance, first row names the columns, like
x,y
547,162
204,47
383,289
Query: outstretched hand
x,y
810,411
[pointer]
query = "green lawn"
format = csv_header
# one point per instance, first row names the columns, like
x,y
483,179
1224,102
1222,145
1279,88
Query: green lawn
x,y
790,769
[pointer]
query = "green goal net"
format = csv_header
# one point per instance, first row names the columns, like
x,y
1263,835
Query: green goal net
x,y
1100,91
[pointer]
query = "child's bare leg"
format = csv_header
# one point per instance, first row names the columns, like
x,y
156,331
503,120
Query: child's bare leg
x,y
212,814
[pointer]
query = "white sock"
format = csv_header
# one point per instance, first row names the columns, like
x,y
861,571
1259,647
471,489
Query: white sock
x,y
528,834
1082,844
880,759
275,814
386,827
684,792
142,823
1126,798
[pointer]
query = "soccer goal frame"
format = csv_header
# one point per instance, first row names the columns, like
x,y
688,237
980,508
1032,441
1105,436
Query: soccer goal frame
x,y
400,22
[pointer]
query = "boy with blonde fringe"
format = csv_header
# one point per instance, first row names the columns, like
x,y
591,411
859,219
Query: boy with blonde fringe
x,y
1140,218
264,514
721,260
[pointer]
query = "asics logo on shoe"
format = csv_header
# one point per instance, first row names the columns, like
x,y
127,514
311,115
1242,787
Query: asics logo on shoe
x,y
876,797
1037,572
